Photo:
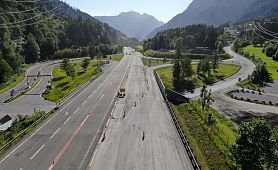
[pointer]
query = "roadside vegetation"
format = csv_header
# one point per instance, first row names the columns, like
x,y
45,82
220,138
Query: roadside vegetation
x,y
155,62
116,57
257,52
212,143
17,127
13,82
69,76
222,72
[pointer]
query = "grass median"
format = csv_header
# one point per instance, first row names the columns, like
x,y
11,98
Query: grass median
x,y
212,144
63,84
116,57
155,62
224,71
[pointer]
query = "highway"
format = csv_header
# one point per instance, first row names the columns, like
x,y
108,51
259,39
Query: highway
x,y
67,139
140,134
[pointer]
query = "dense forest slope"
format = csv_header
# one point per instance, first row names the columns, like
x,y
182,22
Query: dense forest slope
x,y
34,31
217,12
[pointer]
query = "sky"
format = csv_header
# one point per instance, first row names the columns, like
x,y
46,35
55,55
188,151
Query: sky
x,y
163,10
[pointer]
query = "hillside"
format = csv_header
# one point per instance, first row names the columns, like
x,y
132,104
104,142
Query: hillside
x,y
216,12
132,23
35,31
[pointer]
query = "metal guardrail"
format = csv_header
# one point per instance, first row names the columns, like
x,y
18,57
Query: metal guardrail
x,y
21,134
186,144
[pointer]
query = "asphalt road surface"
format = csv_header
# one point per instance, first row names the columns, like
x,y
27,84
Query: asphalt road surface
x,y
247,68
67,139
33,70
140,134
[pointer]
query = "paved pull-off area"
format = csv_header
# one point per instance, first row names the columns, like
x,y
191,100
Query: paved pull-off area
x,y
140,134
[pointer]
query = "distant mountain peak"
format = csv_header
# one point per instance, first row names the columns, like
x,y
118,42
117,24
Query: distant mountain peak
x,y
132,23
216,12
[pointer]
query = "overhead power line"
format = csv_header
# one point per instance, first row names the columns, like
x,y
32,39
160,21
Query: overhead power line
x,y
36,16
264,32
271,32
41,21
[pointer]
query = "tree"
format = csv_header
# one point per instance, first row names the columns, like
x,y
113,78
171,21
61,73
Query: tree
x,y
205,97
5,71
215,62
92,51
260,75
31,50
186,67
255,146
65,64
275,57
179,43
177,75
86,63
70,71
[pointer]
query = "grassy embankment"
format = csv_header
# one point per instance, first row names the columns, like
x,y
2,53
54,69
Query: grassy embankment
x,y
171,55
63,84
272,65
212,145
14,81
223,71
117,57
155,62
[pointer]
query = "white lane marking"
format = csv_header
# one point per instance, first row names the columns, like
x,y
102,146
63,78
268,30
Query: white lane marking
x,y
84,102
101,96
67,120
73,99
76,110
92,160
37,152
67,113
20,168
54,133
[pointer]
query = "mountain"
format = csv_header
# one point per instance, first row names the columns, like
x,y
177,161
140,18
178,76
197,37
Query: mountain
x,y
216,12
132,23
37,30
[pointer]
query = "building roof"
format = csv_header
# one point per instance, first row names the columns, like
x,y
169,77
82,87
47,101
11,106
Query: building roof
x,y
5,123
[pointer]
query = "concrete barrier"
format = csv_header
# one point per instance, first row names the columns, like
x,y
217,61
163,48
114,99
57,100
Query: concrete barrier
x,y
177,97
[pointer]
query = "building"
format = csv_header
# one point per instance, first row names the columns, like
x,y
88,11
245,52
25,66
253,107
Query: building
x,y
5,123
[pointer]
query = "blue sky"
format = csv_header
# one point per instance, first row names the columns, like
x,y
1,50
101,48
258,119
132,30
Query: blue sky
x,y
163,10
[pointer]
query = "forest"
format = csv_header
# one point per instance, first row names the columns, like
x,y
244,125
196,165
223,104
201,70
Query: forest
x,y
193,36
36,31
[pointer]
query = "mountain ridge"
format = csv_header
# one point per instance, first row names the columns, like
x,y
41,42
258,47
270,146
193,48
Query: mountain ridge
x,y
131,23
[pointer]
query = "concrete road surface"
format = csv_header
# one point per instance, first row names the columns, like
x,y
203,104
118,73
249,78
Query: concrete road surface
x,y
67,139
140,134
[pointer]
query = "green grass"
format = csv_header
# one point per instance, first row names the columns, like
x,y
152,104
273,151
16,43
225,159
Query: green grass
x,y
272,65
154,62
116,57
63,84
139,48
211,144
13,82
247,84
223,71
